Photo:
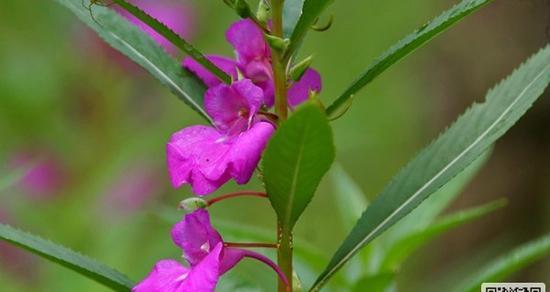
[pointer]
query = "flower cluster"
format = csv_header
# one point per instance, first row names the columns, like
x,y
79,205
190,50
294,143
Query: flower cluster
x,y
207,254
207,157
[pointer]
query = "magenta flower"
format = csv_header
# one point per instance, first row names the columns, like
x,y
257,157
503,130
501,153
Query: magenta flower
x,y
173,14
208,257
207,157
254,63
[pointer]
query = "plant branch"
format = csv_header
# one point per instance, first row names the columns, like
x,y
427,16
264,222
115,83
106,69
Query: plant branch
x,y
234,195
279,66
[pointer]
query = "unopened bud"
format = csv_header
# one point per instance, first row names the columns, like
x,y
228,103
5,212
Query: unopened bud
x,y
300,68
263,13
277,43
316,101
192,204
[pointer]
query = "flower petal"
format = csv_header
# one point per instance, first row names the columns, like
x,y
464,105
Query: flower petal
x,y
233,106
247,150
210,80
196,236
166,276
299,91
261,74
204,276
248,41
198,155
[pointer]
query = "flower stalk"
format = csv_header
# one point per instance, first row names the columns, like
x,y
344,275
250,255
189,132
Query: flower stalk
x,y
234,195
279,66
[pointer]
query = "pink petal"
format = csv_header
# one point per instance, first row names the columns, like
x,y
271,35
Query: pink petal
x,y
233,106
171,276
196,236
197,155
299,91
166,276
261,74
247,150
248,41
204,276
210,80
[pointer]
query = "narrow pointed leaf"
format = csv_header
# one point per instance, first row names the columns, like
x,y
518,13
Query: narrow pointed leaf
x,y
421,217
469,137
399,252
67,258
138,46
404,47
311,10
513,261
174,38
292,11
296,158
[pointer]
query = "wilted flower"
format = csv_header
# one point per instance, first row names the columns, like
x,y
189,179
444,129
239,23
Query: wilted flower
x,y
208,157
208,257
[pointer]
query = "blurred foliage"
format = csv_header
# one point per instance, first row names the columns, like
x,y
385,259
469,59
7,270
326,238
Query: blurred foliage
x,y
64,94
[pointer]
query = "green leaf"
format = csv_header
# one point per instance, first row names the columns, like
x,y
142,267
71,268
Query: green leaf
x,y
508,264
138,46
424,215
292,10
311,10
375,283
469,137
67,258
296,158
174,38
404,47
399,252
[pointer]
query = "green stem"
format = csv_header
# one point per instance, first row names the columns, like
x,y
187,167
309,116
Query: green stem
x,y
174,39
278,61
284,256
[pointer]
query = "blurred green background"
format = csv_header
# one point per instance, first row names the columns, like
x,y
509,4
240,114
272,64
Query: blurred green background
x,y
100,124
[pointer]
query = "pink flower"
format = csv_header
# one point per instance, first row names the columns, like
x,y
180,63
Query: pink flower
x,y
207,157
254,62
208,257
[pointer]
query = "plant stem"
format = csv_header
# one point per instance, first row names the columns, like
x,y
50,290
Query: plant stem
x,y
278,62
284,233
284,255
250,245
236,194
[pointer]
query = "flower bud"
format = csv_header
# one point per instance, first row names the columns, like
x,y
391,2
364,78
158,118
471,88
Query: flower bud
x,y
192,204
263,13
277,43
300,68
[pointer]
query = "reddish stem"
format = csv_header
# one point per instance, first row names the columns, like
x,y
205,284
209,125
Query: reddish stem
x,y
236,194
250,245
